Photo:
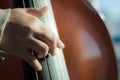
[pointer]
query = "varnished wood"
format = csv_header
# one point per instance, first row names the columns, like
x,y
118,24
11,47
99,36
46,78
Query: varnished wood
x,y
53,68
11,67
89,52
6,4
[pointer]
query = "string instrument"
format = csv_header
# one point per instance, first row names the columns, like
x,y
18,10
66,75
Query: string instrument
x,y
88,53
53,68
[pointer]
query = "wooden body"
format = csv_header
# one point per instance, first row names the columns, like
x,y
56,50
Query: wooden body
x,y
11,68
89,52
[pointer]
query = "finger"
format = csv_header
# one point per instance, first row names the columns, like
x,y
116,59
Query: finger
x,y
60,44
36,11
30,59
49,38
39,47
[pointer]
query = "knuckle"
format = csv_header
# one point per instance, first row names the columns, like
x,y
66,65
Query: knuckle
x,y
45,49
53,41
33,20
28,29
33,23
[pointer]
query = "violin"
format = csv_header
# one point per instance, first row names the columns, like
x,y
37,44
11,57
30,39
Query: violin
x,y
89,52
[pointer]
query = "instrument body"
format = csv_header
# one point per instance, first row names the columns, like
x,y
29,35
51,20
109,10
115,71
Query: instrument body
x,y
88,53
10,68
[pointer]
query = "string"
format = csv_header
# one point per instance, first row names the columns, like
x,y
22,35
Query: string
x,y
60,58
33,5
23,3
49,19
59,63
24,6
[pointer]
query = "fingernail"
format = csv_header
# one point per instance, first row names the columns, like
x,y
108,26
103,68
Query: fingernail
x,y
45,7
39,68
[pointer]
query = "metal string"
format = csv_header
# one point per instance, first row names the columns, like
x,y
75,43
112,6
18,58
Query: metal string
x,y
33,5
61,64
24,6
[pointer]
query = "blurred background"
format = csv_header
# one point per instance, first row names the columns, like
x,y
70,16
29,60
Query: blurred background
x,y
110,13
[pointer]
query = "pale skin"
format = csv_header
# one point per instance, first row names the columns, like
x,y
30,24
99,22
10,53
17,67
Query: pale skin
x,y
24,31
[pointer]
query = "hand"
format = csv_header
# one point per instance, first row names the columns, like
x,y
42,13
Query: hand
x,y
24,31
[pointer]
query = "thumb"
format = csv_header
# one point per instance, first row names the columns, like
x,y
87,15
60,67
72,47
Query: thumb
x,y
36,11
